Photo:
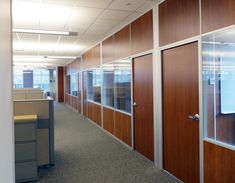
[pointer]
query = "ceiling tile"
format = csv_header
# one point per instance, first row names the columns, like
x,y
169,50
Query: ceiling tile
x,y
115,15
60,2
96,3
130,5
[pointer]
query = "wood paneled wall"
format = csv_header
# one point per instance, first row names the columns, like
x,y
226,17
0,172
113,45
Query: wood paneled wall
x,y
97,114
142,33
178,20
91,58
122,43
60,83
108,120
135,38
123,127
219,164
108,50
217,14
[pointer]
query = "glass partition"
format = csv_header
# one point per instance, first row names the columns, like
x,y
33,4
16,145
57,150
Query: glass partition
x,y
218,51
117,85
74,84
108,84
122,85
93,84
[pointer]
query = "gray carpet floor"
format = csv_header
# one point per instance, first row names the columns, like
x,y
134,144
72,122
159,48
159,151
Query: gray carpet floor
x,y
86,154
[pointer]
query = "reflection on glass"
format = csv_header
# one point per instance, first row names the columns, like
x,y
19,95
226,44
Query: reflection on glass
x,y
108,84
74,84
117,85
122,82
93,84
219,86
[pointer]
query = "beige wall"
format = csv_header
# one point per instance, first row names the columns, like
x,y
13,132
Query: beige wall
x,y
7,164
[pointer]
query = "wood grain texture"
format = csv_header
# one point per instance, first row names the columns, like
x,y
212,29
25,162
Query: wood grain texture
x,y
97,114
122,43
217,14
108,53
123,127
90,111
96,56
79,104
180,99
74,102
60,83
219,164
108,120
143,112
178,20
142,33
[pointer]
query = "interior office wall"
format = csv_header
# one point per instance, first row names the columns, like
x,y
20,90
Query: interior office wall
x,y
7,165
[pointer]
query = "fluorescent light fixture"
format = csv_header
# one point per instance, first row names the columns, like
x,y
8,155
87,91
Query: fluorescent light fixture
x,y
32,46
21,58
48,32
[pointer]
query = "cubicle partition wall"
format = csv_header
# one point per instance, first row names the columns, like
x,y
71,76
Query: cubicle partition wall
x,y
28,94
44,109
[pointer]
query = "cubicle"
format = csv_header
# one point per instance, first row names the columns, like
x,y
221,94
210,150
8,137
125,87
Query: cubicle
x,y
44,109
28,94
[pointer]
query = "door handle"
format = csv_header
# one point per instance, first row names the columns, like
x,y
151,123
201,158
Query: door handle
x,y
134,104
196,117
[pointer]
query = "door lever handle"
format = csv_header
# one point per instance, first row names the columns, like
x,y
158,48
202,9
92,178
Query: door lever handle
x,y
196,117
134,104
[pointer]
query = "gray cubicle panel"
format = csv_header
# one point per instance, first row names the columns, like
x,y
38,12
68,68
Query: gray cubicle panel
x,y
45,126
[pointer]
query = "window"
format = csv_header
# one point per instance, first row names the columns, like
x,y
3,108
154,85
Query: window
x,y
39,77
74,84
93,84
219,86
18,77
108,85
117,85
122,85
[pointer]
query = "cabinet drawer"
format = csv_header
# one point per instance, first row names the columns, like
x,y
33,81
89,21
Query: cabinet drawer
x,y
26,171
25,132
25,152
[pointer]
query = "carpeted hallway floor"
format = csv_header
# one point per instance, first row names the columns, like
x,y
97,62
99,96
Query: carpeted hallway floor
x,y
85,154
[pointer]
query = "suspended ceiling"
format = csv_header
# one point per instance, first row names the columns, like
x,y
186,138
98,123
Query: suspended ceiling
x,y
92,19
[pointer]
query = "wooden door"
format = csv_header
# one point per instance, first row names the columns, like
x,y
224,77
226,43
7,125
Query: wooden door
x,y
180,101
143,110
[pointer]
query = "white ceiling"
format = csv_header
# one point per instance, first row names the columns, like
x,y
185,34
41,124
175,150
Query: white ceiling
x,y
92,19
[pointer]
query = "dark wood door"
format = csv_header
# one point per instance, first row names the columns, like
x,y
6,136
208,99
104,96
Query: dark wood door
x,y
143,111
180,101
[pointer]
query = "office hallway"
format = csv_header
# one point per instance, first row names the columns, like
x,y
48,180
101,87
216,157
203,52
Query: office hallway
x,y
86,154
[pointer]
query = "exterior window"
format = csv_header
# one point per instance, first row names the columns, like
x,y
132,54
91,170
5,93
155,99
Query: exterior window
x,y
40,78
219,86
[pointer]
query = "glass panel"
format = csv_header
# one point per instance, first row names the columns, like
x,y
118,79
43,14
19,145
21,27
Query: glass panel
x,y
74,84
97,84
93,84
219,86
122,81
40,78
108,84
